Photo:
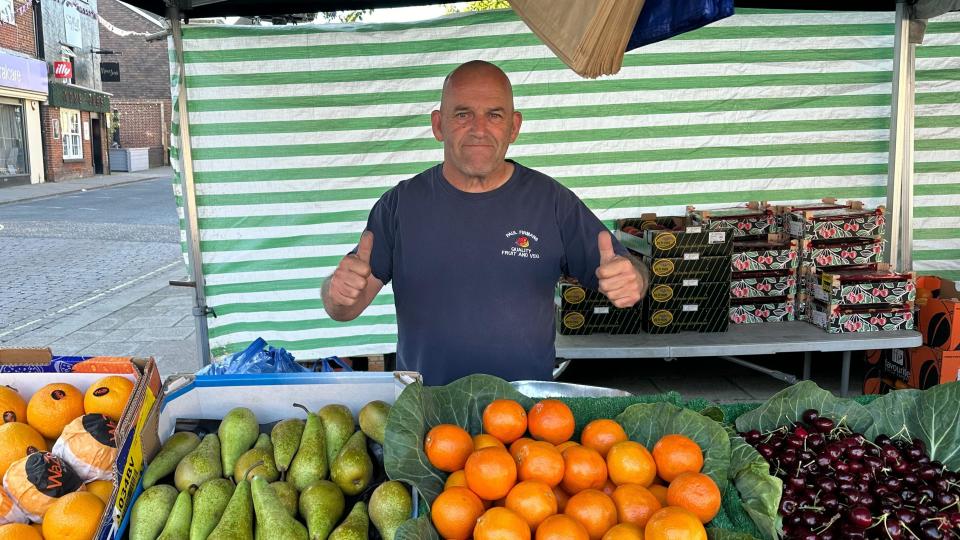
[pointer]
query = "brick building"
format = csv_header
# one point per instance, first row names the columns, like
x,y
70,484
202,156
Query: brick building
x,y
141,97
23,87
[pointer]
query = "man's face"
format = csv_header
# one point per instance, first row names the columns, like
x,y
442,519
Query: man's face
x,y
476,122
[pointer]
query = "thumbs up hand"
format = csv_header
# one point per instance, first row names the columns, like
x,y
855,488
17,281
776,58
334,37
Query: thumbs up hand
x,y
349,280
620,280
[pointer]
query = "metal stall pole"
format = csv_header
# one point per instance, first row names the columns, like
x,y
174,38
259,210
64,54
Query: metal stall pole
x,y
900,161
200,308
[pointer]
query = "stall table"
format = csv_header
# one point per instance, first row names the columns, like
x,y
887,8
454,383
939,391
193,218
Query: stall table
x,y
740,340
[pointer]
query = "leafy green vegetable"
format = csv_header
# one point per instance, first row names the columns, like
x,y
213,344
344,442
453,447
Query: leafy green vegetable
x,y
417,529
931,415
646,423
723,534
758,489
787,406
890,413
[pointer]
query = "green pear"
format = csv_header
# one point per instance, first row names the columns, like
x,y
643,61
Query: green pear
x,y
200,465
273,520
287,495
373,419
355,527
178,524
352,470
321,505
338,426
149,514
390,505
209,503
237,520
262,453
238,431
285,437
310,464
166,461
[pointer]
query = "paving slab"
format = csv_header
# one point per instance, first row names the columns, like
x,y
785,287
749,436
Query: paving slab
x,y
158,321
175,333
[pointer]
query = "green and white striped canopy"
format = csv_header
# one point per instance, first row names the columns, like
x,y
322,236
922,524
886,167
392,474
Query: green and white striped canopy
x,y
296,131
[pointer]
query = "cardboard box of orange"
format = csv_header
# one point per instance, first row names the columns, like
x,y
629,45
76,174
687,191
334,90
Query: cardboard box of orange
x,y
28,370
939,312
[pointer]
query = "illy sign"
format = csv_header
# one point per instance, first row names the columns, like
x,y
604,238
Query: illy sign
x,y
63,70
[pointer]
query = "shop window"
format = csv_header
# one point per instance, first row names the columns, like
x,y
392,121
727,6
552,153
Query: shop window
x,y
72,134
13,150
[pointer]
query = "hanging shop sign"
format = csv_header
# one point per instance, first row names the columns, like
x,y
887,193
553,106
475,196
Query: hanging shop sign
x,y
72,26
23,73
110,71
74,97
63,70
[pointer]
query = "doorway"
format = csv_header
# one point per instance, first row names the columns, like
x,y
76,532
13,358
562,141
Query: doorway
x,y
96,144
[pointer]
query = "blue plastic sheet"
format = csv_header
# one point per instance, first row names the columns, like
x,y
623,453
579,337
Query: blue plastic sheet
x,y
258,357
663,19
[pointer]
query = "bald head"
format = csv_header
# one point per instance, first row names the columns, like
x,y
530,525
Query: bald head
x,y
476,73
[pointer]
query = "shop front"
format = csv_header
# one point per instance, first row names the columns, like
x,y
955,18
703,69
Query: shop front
x,y
75,140
23,87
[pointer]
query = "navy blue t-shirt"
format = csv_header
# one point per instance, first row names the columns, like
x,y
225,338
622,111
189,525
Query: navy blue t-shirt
x,y
474,273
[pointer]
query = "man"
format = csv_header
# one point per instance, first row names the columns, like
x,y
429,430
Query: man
x,y
474,247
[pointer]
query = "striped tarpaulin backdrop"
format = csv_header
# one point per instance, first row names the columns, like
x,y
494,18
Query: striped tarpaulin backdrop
x,y
297,131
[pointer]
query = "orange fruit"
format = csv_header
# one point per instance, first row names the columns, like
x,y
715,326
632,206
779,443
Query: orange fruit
x,y
561,527
628,462
635,504
456,479
594,510
540,461
505,419
676,454
608,488
562,498
583,468
73,516
697,493
533,501
518,445
12,407
563,446
491,473
102,489
624,531
602,434
674,523
37,527
552,421
455,513
18,531
447,447
16,441
483,441
660,492
108,396
53,407
501,524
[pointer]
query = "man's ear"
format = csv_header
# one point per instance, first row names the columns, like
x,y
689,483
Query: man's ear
x,y
435,124
517,120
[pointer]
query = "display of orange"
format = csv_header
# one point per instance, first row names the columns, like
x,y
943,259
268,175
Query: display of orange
x,y
563,446
108,396
552,421
101,488
583,468
37,527
491,473
629,462
635,504
53,407
484,440
16,441
697,493
517,445
562,498
594,510
12,406
674,523
505,419
456,479
75,516
540,461
608,488
19,531
660,492
448,446
676,454
501,524
602,434
624,531
561,527
455,513
533,501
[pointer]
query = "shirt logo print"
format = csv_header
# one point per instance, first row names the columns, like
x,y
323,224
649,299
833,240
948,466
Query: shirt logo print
x,y
522,245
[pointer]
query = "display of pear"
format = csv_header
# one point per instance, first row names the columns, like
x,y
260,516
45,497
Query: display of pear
x,y
389,506
310,464
165,462
273,520
237,520
338,426
209,503
352,470
355,527
285,437
287,495
238,431
262,453
321,505
373,419
178,523
200,465
150,512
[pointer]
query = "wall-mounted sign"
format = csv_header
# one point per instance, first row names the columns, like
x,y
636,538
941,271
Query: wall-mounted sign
x,y
72,26
63,70
110,71
6,12
73,97
23,73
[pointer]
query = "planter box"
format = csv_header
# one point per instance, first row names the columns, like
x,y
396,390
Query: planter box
x,y
129,159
